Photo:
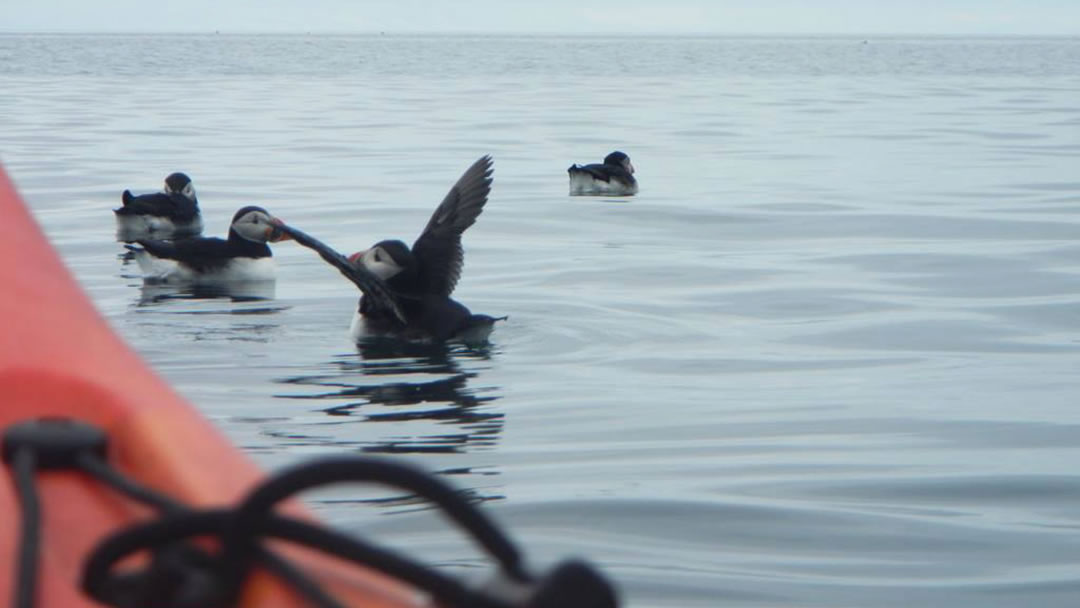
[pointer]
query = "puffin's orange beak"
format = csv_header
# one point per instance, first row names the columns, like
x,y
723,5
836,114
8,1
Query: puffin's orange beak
x,y
275,234
355,258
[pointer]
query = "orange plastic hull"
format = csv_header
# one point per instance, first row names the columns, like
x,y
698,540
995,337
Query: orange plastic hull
x,y
58,357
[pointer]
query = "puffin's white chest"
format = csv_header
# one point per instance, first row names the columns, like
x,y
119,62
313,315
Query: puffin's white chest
x,y
584,183
134,227
237,269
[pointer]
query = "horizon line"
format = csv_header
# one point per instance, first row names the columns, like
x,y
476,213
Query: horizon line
x,y
543,33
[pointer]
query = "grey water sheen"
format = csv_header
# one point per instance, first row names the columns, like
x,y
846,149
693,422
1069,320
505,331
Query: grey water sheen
x,y
826,357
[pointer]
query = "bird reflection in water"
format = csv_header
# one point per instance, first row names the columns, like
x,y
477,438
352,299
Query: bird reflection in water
x,y
238,292
152,293
445,400
233,312
412,386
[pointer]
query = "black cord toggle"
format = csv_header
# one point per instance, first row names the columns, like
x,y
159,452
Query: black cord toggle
x,y
57,443
573,584
179,575
570,584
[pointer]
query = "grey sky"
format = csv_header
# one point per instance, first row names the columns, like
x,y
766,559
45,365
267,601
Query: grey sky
x,y
989,17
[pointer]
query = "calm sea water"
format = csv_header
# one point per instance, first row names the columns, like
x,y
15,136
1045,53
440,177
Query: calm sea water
x,y
827,357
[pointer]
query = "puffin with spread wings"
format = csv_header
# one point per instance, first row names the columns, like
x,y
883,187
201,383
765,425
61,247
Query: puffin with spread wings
x,y
406,291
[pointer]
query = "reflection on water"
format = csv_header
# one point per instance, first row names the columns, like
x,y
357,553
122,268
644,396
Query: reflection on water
x,y
129,230
390,380
151,294
411,502
420,398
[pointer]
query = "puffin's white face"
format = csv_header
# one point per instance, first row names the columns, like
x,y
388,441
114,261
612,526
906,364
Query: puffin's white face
x,y
188,190
258,226
377,262
629,166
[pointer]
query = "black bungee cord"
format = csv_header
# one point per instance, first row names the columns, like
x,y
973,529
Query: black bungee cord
x,y
23,465
182,574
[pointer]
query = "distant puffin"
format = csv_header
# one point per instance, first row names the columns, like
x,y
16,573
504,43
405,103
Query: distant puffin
x,y
407,291
244,256
172,212
615,177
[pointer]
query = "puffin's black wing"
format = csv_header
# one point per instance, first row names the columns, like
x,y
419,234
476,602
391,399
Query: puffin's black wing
x,y
174,205
438,249
200,254
597,171
157,203
185,208
372,286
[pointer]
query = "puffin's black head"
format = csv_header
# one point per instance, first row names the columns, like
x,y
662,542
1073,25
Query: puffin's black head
x,y
386,260
257,225
180,183
618,159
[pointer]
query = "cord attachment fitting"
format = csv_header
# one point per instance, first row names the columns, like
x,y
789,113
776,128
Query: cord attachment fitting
x,y
56,443
572,583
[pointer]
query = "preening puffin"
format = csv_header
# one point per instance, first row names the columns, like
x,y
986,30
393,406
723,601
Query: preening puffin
x,y
172,212
614,177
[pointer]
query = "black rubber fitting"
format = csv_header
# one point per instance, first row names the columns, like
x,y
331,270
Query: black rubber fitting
x,y
55,442
574,584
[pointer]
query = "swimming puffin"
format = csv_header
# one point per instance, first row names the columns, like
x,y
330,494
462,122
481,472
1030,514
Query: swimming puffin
x,y
172,212
615,177
406,291
243,256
